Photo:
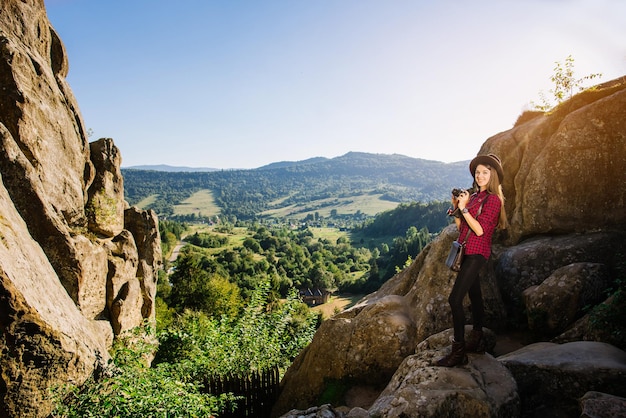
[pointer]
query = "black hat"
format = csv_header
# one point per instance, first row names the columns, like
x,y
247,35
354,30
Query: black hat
x,y
491,160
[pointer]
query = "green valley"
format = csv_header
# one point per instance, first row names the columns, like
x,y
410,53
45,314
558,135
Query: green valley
x,y
355,184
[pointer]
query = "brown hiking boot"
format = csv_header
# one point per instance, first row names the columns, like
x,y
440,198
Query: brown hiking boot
x,y
475,342
456,357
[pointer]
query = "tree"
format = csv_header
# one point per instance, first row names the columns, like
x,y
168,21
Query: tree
x,y
196,287
373,262
321,278
564,84
253,245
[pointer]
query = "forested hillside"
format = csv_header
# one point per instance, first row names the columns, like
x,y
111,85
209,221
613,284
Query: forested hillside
x,y
246,194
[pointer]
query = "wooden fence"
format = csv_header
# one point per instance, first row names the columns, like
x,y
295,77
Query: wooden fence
x,y
258,389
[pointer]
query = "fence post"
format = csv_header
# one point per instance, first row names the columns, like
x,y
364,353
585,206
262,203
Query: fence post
x,y
259,390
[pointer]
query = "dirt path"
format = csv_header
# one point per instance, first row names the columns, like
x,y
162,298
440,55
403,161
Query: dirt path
x,y
176,251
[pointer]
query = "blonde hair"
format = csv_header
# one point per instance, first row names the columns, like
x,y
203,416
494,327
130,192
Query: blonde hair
x,y
494,187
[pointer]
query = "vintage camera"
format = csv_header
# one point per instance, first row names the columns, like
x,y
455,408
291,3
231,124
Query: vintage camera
x,y
457,192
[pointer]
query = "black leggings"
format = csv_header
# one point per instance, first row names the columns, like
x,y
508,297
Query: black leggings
x,y
467,282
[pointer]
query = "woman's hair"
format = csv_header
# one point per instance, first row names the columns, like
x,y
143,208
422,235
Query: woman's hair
x,y
494,187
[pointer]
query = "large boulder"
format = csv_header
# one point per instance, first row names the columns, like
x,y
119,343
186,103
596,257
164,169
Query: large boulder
x,y
482,388
77,265
559,300
364,350
605,323
144,227
123,291
105,204
552,378
529,263
418,388
563,169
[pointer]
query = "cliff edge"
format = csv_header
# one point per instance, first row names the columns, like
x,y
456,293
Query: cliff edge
x,y
77,265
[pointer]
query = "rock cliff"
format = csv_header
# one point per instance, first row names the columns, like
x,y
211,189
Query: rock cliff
x,y
77,266
566,245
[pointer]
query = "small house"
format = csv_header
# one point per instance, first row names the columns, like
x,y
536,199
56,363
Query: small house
x,y
314,297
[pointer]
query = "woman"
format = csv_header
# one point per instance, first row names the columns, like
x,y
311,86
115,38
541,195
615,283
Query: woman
x,y
478,216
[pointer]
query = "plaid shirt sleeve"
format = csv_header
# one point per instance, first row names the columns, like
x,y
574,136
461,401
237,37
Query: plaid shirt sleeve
x,y
488,220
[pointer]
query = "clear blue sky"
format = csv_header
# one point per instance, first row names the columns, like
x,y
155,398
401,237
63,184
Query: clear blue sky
x,y
240,84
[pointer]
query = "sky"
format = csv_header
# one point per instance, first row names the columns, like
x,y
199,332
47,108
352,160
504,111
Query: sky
x,y
244,83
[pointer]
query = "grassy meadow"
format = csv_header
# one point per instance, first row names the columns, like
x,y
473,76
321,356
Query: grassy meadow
x,y
203,203
142,204
369,204
331,234
200,203
235,237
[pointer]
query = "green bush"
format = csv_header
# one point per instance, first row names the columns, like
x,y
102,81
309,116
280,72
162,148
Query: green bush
x,y
129,388
264,336
192,348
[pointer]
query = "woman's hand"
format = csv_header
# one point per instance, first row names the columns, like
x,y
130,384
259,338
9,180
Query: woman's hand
x,y
454,201
461,201
471,221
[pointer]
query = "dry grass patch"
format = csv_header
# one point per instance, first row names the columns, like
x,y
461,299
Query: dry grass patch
x,y
144,203
330,234
337,304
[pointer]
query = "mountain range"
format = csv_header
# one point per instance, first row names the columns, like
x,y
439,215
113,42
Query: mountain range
x,y
171,168
297,188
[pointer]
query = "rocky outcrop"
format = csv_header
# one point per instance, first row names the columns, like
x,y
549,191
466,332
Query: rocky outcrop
x,y
46,340
565,247
365,348
542,379
105,202
552,378
484,388
144,227
77,265
524,266
559,300
562,169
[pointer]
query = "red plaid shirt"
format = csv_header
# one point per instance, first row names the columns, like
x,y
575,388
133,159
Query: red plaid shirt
x,y
488,219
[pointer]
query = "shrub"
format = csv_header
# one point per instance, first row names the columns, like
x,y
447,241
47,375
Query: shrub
x,y
129,388
565,85
192,348
262,337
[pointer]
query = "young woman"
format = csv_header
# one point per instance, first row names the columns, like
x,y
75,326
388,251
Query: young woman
x,y
478,216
